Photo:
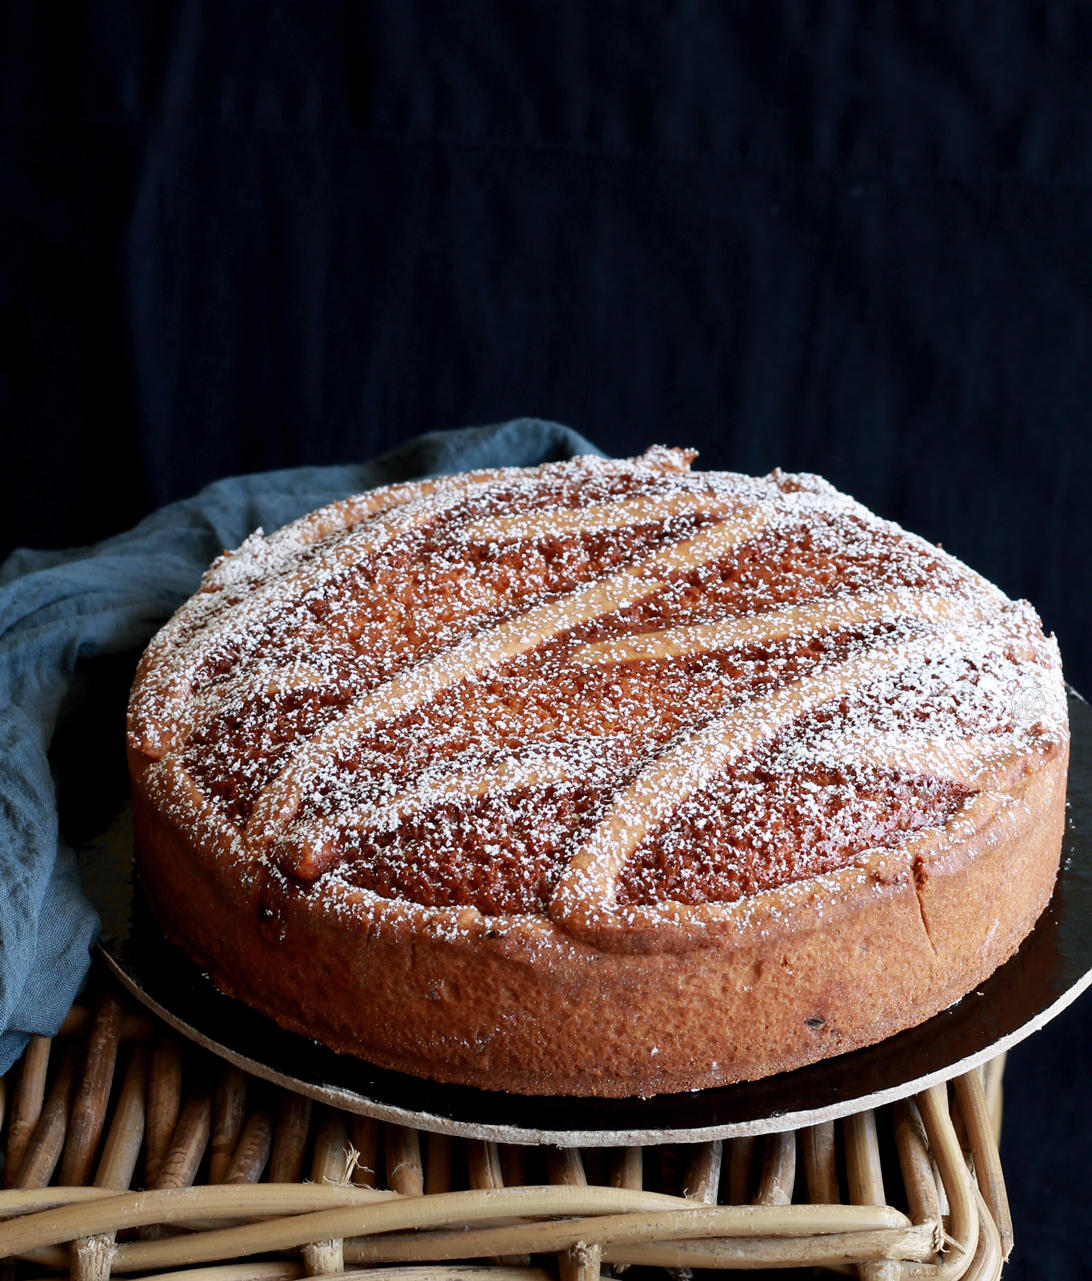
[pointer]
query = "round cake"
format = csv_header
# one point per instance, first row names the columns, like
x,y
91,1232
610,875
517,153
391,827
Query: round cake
x,y
598,778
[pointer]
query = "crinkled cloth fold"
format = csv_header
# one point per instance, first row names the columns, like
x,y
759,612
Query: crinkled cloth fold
x,y
58,607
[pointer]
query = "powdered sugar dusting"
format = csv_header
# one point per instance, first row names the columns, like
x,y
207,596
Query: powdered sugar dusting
x,y
469,698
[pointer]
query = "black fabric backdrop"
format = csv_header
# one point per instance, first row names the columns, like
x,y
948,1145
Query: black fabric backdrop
x,y
849,238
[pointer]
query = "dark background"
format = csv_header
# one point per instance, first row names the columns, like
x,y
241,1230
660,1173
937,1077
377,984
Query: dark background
x,y
848,238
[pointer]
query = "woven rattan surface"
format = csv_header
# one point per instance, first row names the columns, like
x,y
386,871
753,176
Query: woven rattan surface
x,y
232,1178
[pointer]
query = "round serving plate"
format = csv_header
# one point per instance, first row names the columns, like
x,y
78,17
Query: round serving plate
x,y
1050,970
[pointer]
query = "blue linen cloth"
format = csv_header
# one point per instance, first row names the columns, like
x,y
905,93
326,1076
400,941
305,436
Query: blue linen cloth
x,y
58,607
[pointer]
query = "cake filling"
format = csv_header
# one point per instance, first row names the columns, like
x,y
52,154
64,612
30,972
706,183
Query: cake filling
x,y
762,828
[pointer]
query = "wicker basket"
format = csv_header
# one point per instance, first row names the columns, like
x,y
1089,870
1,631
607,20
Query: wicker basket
x,y
248,1183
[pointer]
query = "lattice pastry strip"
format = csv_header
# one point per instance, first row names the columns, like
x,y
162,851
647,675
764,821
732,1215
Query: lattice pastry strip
x,y
278,804
552,764
595,518
620,514
163,712
541,765
770,626
584,900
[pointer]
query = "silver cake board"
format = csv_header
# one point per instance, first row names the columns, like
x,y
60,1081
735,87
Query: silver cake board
x,y
1051,969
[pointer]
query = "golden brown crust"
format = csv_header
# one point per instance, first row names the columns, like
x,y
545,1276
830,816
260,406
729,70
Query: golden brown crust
x,y
612,987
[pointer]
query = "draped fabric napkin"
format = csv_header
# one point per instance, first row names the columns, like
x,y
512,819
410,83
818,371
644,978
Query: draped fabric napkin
x,y
59,607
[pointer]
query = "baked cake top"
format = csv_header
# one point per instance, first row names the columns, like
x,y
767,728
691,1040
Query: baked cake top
x,y
619,694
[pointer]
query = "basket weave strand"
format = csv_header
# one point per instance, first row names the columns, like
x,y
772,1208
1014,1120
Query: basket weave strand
x,y
732,1204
